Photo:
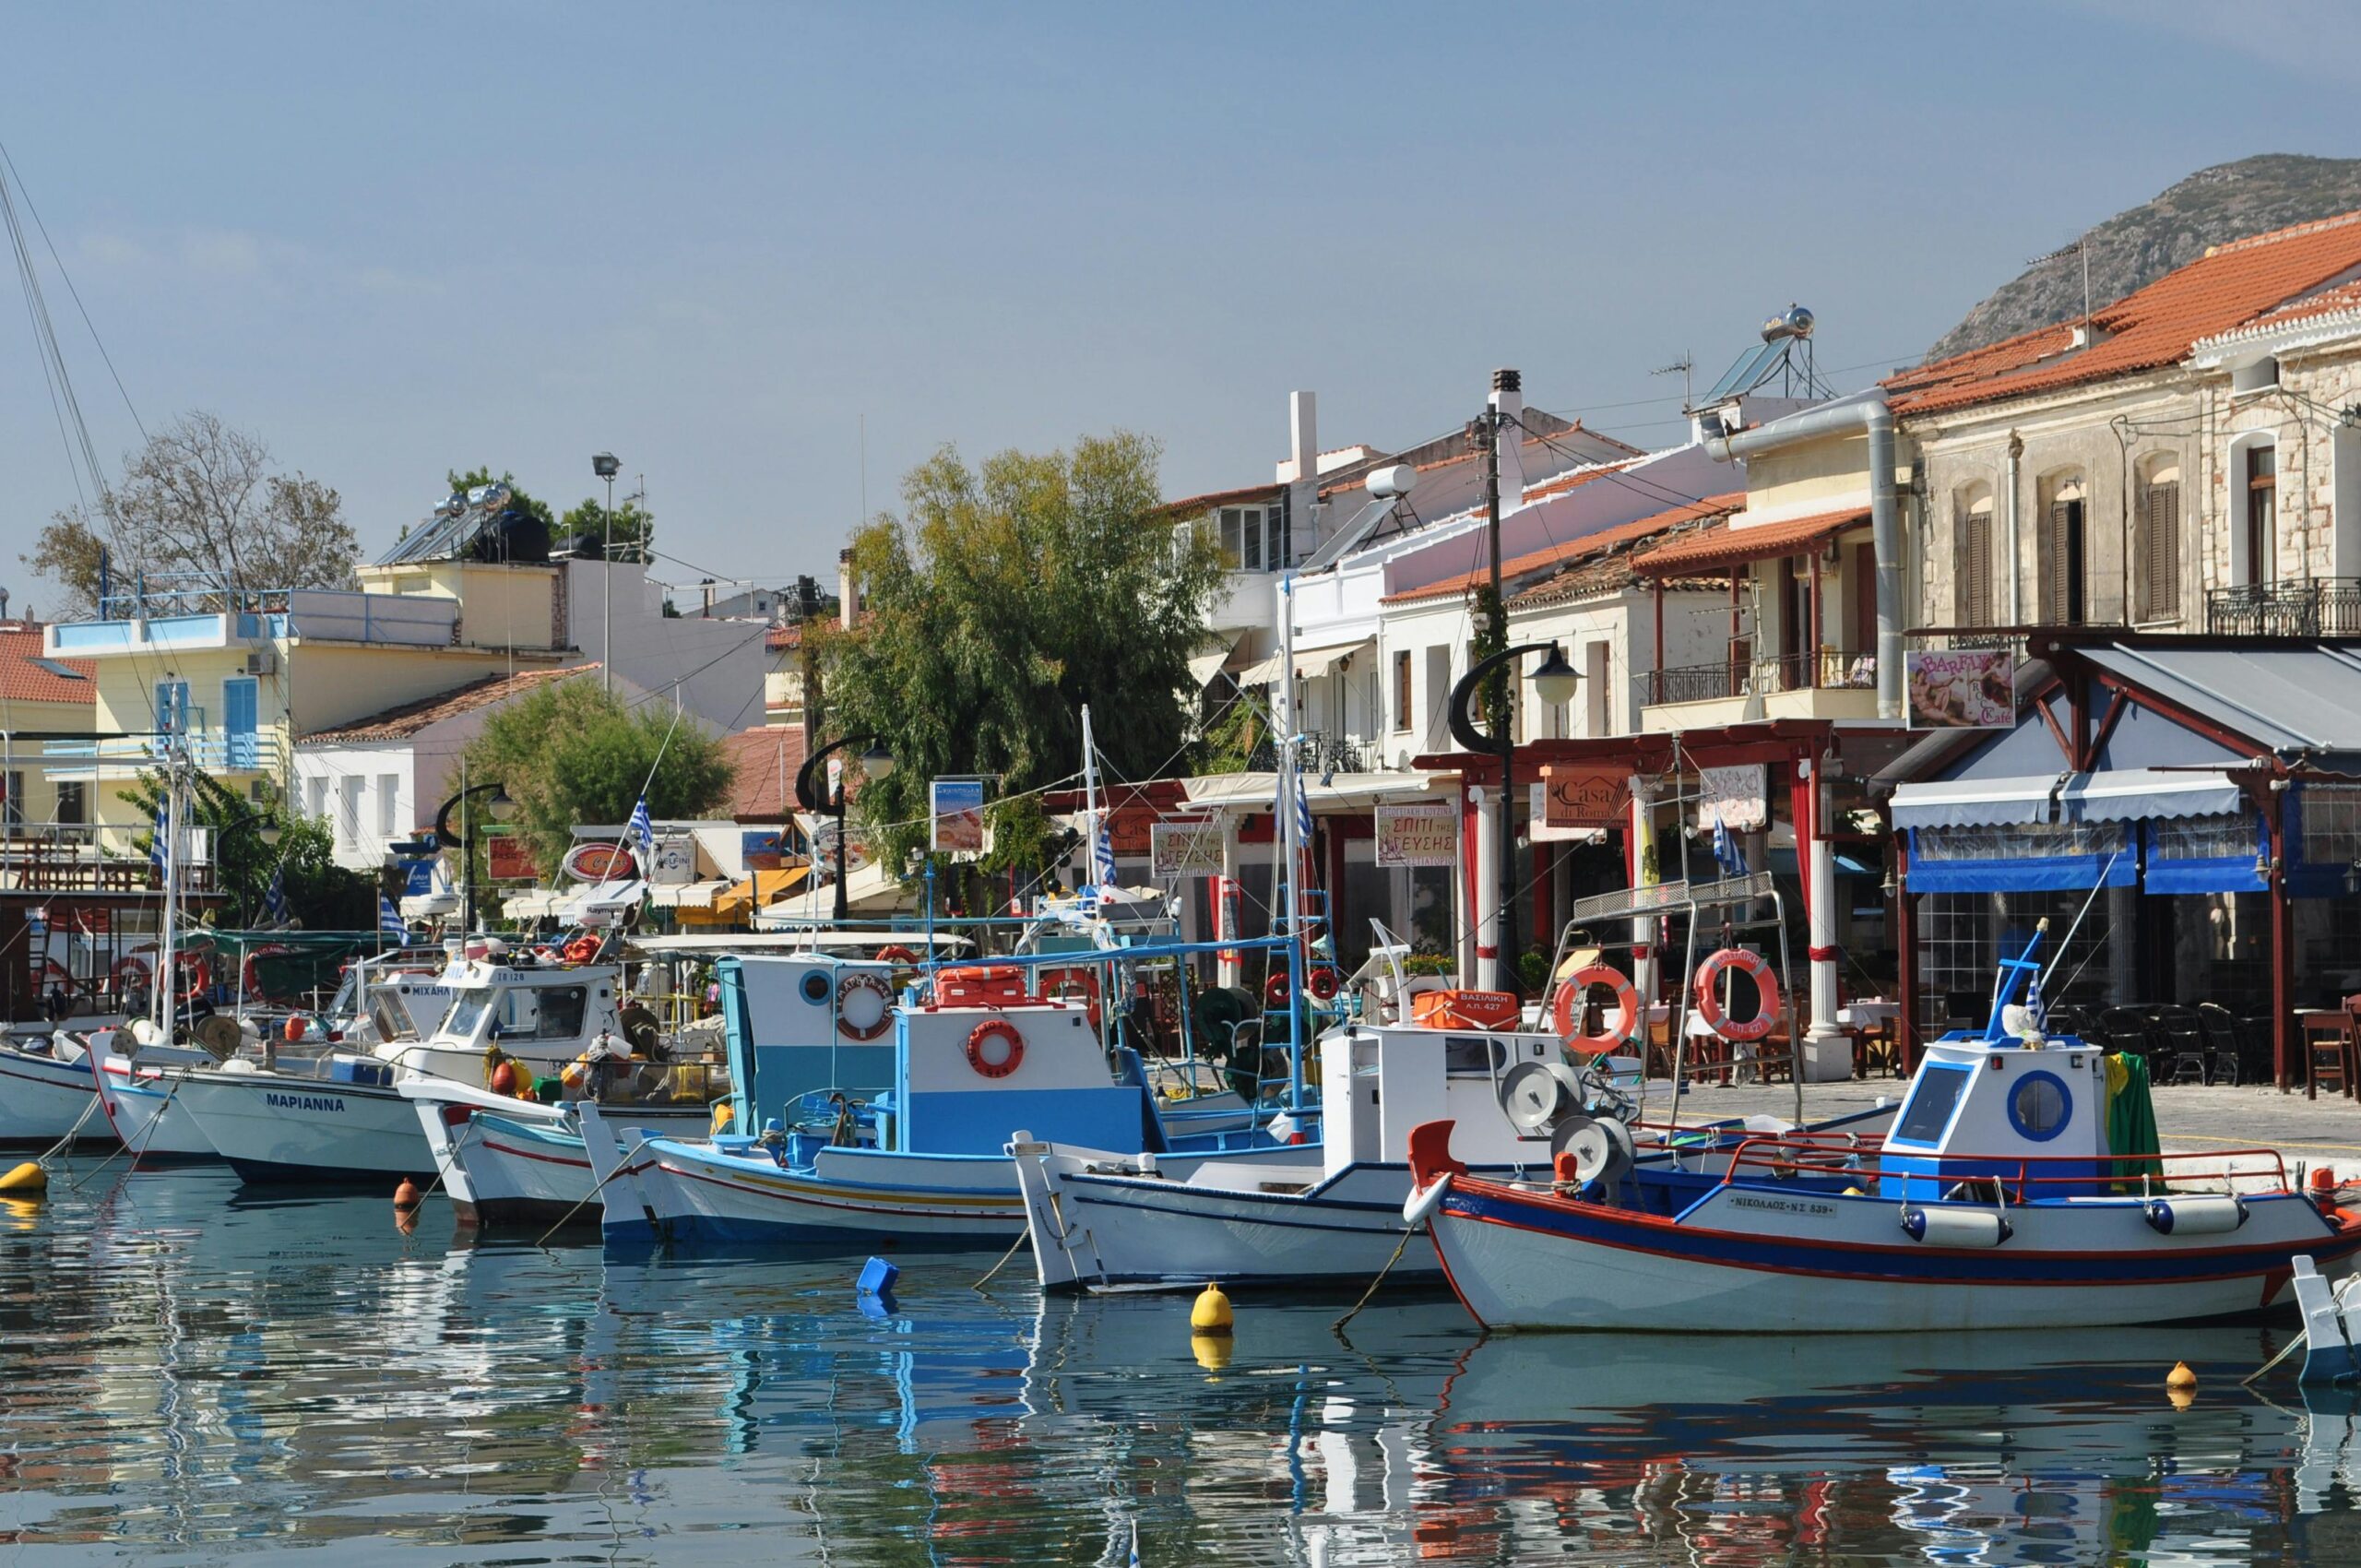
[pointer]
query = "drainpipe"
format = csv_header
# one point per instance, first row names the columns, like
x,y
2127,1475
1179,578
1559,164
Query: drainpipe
x,y
2016,523
1885,527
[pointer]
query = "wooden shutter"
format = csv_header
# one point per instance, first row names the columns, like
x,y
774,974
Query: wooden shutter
x,y
2160,553
2055,565
1976,570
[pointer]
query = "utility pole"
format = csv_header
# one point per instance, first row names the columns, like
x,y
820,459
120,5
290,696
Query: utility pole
x,y
1504,710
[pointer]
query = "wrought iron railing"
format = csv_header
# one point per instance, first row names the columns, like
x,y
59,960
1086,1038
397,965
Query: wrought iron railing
x,y
2311,607
1316,753
1826,670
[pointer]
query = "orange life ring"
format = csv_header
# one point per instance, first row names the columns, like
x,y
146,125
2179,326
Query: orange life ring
x,y
581,950
1053,982
1623,1029
1322,983
195,972
131,969
894,953
875,984
994,1029
1709,1006
1276,990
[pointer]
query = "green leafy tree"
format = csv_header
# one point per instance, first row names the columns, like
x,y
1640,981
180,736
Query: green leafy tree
x,y
571,753
634,526
321,894
1005,599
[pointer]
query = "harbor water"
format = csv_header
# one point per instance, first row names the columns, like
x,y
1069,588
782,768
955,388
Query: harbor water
x,y
192,1376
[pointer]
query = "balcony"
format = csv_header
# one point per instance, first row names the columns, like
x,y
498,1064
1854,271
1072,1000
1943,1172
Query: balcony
x,y
2310,607
214,749
159,622
1828,684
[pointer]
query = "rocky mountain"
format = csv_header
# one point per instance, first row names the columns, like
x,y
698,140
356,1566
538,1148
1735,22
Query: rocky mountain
x,y
2229,201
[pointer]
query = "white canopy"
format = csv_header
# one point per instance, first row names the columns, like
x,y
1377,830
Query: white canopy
x,y
1309,661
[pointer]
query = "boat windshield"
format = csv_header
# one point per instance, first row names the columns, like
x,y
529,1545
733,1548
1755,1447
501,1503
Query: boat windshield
x,y
467,1011
393,1019
520,1012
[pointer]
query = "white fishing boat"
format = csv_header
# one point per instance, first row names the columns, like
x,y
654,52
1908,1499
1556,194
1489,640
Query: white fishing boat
x,y
1995,1201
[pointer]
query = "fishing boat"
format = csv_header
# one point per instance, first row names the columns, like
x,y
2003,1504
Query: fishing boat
x,y
1995,1201
340,1118
820,1038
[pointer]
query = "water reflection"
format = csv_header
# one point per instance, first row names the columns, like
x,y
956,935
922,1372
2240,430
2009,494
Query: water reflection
x,y
184,1373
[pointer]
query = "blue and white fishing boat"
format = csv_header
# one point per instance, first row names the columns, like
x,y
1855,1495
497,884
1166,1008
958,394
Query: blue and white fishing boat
x,y
1995,1201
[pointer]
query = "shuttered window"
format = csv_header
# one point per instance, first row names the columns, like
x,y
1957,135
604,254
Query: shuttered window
x,y
2057,552
2160,551
1401,691
1975,570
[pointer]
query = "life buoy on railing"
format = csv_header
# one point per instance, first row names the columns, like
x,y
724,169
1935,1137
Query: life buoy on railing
x,y
874,984
1054,986
1709,1006
894,953
196,973
1276,991
1322,983
132,973
1614,1033
1002,1066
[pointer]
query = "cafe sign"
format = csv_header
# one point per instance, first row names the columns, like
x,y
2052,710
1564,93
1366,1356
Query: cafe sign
x,y
1184,849
1584,797
1733,797
1423,833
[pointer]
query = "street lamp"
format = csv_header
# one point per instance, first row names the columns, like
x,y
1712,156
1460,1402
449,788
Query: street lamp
x,y
606,467
1553,683
501,808
876,763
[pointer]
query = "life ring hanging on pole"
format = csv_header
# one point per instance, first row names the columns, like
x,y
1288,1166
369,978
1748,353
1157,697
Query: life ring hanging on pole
x,y
1322,983
196,973
1622,1029
1276,991
1709,1006
1083,977
871,982
991,1029
132,970
894,953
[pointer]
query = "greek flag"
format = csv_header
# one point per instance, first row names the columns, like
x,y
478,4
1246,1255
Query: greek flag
x,y
1302,813
274,902
1134,1558
1102,852
159,839
1725,851
390,920
641,836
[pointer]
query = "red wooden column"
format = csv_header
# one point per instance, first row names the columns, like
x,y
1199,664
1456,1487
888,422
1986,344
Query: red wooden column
x,y
2282,951
1812,652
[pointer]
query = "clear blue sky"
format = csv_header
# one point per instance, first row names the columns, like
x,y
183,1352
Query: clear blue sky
x,y
714,238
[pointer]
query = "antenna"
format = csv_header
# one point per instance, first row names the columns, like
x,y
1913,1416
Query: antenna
x,y
1684,365
2072,247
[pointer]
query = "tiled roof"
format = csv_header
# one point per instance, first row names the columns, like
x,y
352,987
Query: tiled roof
x,y
2229,286
763,763
1575,550
1609,566
1719,544
2343,299
27,675
1190,506
401,723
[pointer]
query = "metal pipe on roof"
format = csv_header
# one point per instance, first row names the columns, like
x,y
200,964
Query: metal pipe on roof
x,y
1885,530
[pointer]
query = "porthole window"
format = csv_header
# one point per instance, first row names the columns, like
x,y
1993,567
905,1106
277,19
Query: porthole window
x,y
2039,1105
816,989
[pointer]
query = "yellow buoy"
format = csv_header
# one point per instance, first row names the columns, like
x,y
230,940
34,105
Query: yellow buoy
x,y
2181,1399
2180,1377
1212,1350
723,1114
405,1195
1210,1314
27,1178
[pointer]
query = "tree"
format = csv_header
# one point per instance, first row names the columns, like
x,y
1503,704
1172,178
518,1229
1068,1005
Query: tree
x,y
200,505
569,752
321,894
1008,598
634,526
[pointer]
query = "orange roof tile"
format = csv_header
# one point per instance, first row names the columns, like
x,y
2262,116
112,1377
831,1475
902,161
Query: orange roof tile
x,y
1575,550
28,675
763,765
399,723
1719,544
2227,287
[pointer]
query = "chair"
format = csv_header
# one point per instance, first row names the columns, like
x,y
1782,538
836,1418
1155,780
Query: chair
x,y
2126,1031
2068,1021
2180,1043
2327,1035
2221,1042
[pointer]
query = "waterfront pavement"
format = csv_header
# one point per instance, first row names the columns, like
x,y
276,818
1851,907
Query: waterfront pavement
x,y
2190,1118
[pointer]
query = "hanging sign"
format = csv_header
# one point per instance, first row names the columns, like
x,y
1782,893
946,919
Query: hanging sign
x,y
508,859
1586,796
1423,833
764,849
1961,688
957,808
1184,849
1733,797
596,861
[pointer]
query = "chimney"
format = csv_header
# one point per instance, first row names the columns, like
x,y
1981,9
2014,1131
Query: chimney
x,y
847,590
1508,398
1303,492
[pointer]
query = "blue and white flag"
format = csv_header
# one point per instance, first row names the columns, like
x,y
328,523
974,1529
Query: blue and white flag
x,y
641,836
1102,852
390,920
1135,1544
1302,813
1726,853
274,901
159,839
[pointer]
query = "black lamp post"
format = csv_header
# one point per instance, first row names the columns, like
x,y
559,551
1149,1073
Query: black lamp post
x,y
606,466
502,808
876,762
1553,683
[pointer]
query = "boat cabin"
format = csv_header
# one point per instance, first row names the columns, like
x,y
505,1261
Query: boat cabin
x,y
801,1024
2031,1117
1377,1082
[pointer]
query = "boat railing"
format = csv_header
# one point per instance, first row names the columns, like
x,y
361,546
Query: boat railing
x,y
2019,1178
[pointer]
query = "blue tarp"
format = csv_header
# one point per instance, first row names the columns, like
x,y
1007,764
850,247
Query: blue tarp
x,y
2021,860
2207,855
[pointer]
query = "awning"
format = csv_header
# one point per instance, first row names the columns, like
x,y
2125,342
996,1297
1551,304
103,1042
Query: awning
x,y
1203,667
869,888
685,894
607,898
1309,661
1974,802
736,904
1342,792
534,905
2141,794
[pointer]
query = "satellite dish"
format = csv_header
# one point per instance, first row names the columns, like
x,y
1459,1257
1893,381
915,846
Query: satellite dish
x,y
1537,1096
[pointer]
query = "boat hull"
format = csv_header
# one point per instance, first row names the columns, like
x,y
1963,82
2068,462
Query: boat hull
x,y
150,1119
42,1100
273,1129
520,1170
681,1194
1746,1260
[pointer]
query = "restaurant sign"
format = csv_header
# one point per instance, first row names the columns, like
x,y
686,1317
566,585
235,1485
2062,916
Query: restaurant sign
x,y
1735,797
958,807
1184,849
1578,796
1961,688
1424,833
